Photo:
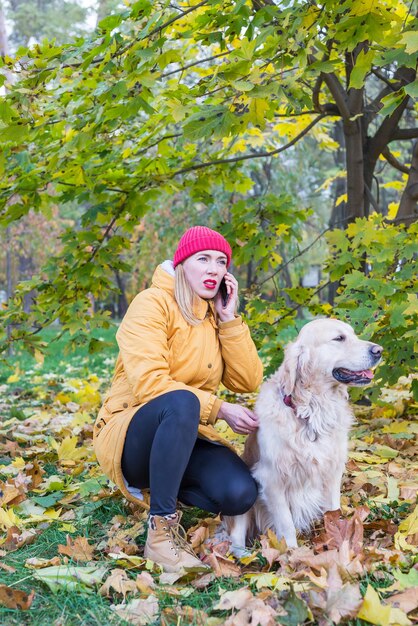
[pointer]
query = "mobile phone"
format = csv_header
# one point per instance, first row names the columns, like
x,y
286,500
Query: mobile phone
x,y
224,292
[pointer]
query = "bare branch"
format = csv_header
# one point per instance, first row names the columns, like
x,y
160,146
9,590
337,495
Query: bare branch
x,y
393,161
339,94
404,133
383,78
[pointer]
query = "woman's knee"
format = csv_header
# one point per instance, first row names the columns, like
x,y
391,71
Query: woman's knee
x,y
183,407
238,495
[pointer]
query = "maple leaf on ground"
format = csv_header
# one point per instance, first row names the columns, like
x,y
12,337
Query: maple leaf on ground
x,y
138,612
16,539
203,531
271,548
234,599
338,530
407,600
203,581
337,600
38,563
77,549
373,611
15,598
119,582
123,539
173,616
35,471
145,583
348,563
220,564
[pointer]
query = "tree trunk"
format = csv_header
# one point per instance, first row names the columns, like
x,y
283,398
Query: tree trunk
x,y
26,270
376,145
408,206
122,299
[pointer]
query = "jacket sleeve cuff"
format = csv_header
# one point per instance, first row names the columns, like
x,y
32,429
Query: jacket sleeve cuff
x,y
213,415
231,323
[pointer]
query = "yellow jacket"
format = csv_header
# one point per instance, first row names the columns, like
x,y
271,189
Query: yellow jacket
x,y
160,352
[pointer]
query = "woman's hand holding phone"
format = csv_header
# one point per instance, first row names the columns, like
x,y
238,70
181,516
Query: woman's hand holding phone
x,y
226,298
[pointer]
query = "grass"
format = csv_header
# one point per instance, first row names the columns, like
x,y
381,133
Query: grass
x,y
33,389
60,360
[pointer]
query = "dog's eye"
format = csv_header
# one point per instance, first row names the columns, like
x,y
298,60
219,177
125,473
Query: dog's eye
x,y
339,338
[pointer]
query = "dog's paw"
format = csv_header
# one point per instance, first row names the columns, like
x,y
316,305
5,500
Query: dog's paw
x,y
239,552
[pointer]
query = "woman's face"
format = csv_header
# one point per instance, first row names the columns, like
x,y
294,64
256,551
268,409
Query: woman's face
x,y
204,272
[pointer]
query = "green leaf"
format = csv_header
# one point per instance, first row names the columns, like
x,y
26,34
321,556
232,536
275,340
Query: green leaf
x,y
71,578
110,22
391,102
412,89
410,39
49,500
257,114
361,68
297,611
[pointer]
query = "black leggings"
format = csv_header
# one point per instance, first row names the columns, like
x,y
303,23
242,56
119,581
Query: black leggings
x,y
163,453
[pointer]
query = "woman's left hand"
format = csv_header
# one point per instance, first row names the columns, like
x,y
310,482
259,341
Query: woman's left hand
x,y
227,313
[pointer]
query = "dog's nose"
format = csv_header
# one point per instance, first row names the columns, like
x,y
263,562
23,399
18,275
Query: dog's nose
x,y
376,350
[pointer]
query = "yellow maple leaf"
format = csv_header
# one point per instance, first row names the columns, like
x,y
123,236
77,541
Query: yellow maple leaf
x,y
67,450
372,610
409,526
8,518
13,378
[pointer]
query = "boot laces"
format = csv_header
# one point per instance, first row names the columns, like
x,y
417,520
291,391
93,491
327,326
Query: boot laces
x,y
179,539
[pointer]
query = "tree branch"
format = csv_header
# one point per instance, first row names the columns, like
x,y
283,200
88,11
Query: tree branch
x,y
338,92
393,161
186,67
383,78
404,133
258,155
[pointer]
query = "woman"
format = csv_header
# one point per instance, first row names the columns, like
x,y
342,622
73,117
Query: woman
x,y
178,340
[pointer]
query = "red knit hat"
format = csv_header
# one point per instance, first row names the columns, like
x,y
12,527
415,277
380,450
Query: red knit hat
x,y
200,238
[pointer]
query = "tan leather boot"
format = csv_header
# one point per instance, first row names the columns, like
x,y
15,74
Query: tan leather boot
x,y
166,545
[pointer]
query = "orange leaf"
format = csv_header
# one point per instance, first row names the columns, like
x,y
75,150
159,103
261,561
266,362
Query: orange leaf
x,y
15,598
183,615
78,549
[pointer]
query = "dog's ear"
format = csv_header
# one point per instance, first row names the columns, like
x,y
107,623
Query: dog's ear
x,y
294,367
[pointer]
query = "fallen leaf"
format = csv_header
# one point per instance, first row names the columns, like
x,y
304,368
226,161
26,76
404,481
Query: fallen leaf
x,y
372,610
233,599
118,581
138,612
38,563
338,601
338,530
77,549
145,583
71,578
15,598
270,553
7,568
16,539
203,581
220,564
183,615
407,600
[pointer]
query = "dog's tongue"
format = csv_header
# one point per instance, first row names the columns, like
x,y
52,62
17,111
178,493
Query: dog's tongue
x,y
366,374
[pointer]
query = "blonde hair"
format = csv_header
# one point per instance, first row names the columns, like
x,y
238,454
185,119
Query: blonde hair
x,y
185,296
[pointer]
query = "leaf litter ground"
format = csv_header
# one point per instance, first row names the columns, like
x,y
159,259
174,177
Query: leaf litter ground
x,y
71,549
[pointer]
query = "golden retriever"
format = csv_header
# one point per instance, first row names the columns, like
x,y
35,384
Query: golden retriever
x,y
299,451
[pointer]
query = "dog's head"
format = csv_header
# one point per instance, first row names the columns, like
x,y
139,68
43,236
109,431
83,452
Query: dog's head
x,y
328,352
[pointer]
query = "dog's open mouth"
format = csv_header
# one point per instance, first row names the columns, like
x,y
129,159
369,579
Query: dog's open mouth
x,y
349,377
